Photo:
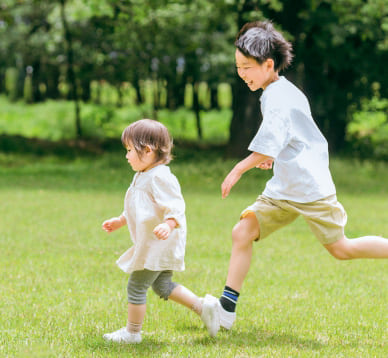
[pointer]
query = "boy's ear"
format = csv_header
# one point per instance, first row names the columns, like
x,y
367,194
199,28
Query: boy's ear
x,y
270,63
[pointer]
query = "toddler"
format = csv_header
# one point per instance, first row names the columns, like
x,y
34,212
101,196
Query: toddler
x,y
154,211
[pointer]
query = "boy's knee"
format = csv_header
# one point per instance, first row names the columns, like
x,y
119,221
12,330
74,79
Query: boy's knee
x,y
340,255
245,231
341,250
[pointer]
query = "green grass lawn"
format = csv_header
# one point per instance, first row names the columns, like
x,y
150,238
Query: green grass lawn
x,y
61,290
54,120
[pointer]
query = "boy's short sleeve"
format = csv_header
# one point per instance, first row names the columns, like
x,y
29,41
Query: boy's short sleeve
x,y
273,134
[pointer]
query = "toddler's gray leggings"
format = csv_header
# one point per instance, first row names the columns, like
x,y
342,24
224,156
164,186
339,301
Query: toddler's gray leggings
x,y
140,281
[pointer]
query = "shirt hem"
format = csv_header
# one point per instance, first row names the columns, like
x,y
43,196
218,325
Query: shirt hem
x,y
308,199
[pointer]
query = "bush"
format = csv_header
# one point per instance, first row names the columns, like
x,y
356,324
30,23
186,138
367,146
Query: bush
x,y
368,129
11,83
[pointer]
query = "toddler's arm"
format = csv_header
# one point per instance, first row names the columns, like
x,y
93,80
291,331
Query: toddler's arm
x,y
114,223
162,231
240,168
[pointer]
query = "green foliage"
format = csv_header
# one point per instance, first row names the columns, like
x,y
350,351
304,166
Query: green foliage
x,y
204,95
368,129
11,79
369,19
224,95
189,93
53,120
27,93
340,49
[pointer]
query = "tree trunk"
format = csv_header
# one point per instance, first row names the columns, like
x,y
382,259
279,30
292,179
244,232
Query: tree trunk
x,y
119,91
214,97
70,69
245,104
197,111
36,79
52,81
246,119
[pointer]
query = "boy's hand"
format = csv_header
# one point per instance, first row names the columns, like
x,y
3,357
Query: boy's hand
x,y
113,224
162,231
251,161
232,178
266,165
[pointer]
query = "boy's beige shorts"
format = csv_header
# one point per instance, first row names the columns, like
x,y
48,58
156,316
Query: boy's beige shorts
x,y
326,217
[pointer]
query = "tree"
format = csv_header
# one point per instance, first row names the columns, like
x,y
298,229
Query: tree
x,y
341,48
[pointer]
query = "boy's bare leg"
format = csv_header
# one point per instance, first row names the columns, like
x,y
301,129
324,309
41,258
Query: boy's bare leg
x,y
374,247
245,232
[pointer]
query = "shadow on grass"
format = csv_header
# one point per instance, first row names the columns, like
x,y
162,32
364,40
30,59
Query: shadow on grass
x,y
259,339
237,340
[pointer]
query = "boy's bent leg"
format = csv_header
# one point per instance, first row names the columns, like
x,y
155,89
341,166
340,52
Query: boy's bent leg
x,y
373,247
245,232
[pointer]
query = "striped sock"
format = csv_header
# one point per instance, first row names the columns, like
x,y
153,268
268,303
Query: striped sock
x,y
229,299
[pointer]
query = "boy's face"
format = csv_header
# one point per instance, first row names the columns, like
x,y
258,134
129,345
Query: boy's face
x,y
255,75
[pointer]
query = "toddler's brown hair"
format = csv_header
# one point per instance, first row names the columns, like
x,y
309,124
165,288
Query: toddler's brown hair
x,y
148,132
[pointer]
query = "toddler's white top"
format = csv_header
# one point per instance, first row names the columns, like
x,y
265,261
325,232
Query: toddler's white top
x,y
289,134
153,197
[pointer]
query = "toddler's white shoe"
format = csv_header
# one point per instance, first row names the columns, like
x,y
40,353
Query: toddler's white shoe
x,y
226,318
123,336
210,314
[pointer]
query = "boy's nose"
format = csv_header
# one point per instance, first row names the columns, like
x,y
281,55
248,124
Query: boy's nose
x,y
242,74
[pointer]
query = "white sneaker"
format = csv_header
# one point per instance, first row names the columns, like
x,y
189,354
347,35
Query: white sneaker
x,y
210,314
226,318
123,336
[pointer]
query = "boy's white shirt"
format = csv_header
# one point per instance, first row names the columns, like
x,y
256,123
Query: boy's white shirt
x,y
153,197
289,134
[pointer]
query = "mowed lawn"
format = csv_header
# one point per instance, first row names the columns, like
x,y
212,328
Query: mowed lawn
x,y
61,290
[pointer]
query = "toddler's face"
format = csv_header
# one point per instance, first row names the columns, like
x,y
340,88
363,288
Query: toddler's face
x,y
255,75
140,164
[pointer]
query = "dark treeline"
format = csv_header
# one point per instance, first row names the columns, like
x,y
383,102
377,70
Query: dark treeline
x,y
61,47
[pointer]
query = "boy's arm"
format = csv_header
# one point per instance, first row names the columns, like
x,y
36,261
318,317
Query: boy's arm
x,y
240,168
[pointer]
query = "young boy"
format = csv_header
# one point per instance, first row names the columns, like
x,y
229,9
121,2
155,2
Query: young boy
x,y
301,183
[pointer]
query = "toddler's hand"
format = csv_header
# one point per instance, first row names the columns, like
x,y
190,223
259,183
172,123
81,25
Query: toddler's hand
x,y
162,231
112,224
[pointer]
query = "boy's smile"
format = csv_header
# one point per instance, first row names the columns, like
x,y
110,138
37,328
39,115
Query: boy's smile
x,y
255,75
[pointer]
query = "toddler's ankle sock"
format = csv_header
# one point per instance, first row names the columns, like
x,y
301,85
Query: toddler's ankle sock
x,y
229,299
134,327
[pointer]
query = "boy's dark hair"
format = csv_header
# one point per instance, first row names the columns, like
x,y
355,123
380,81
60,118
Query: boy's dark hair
x,y
147,132
260,41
